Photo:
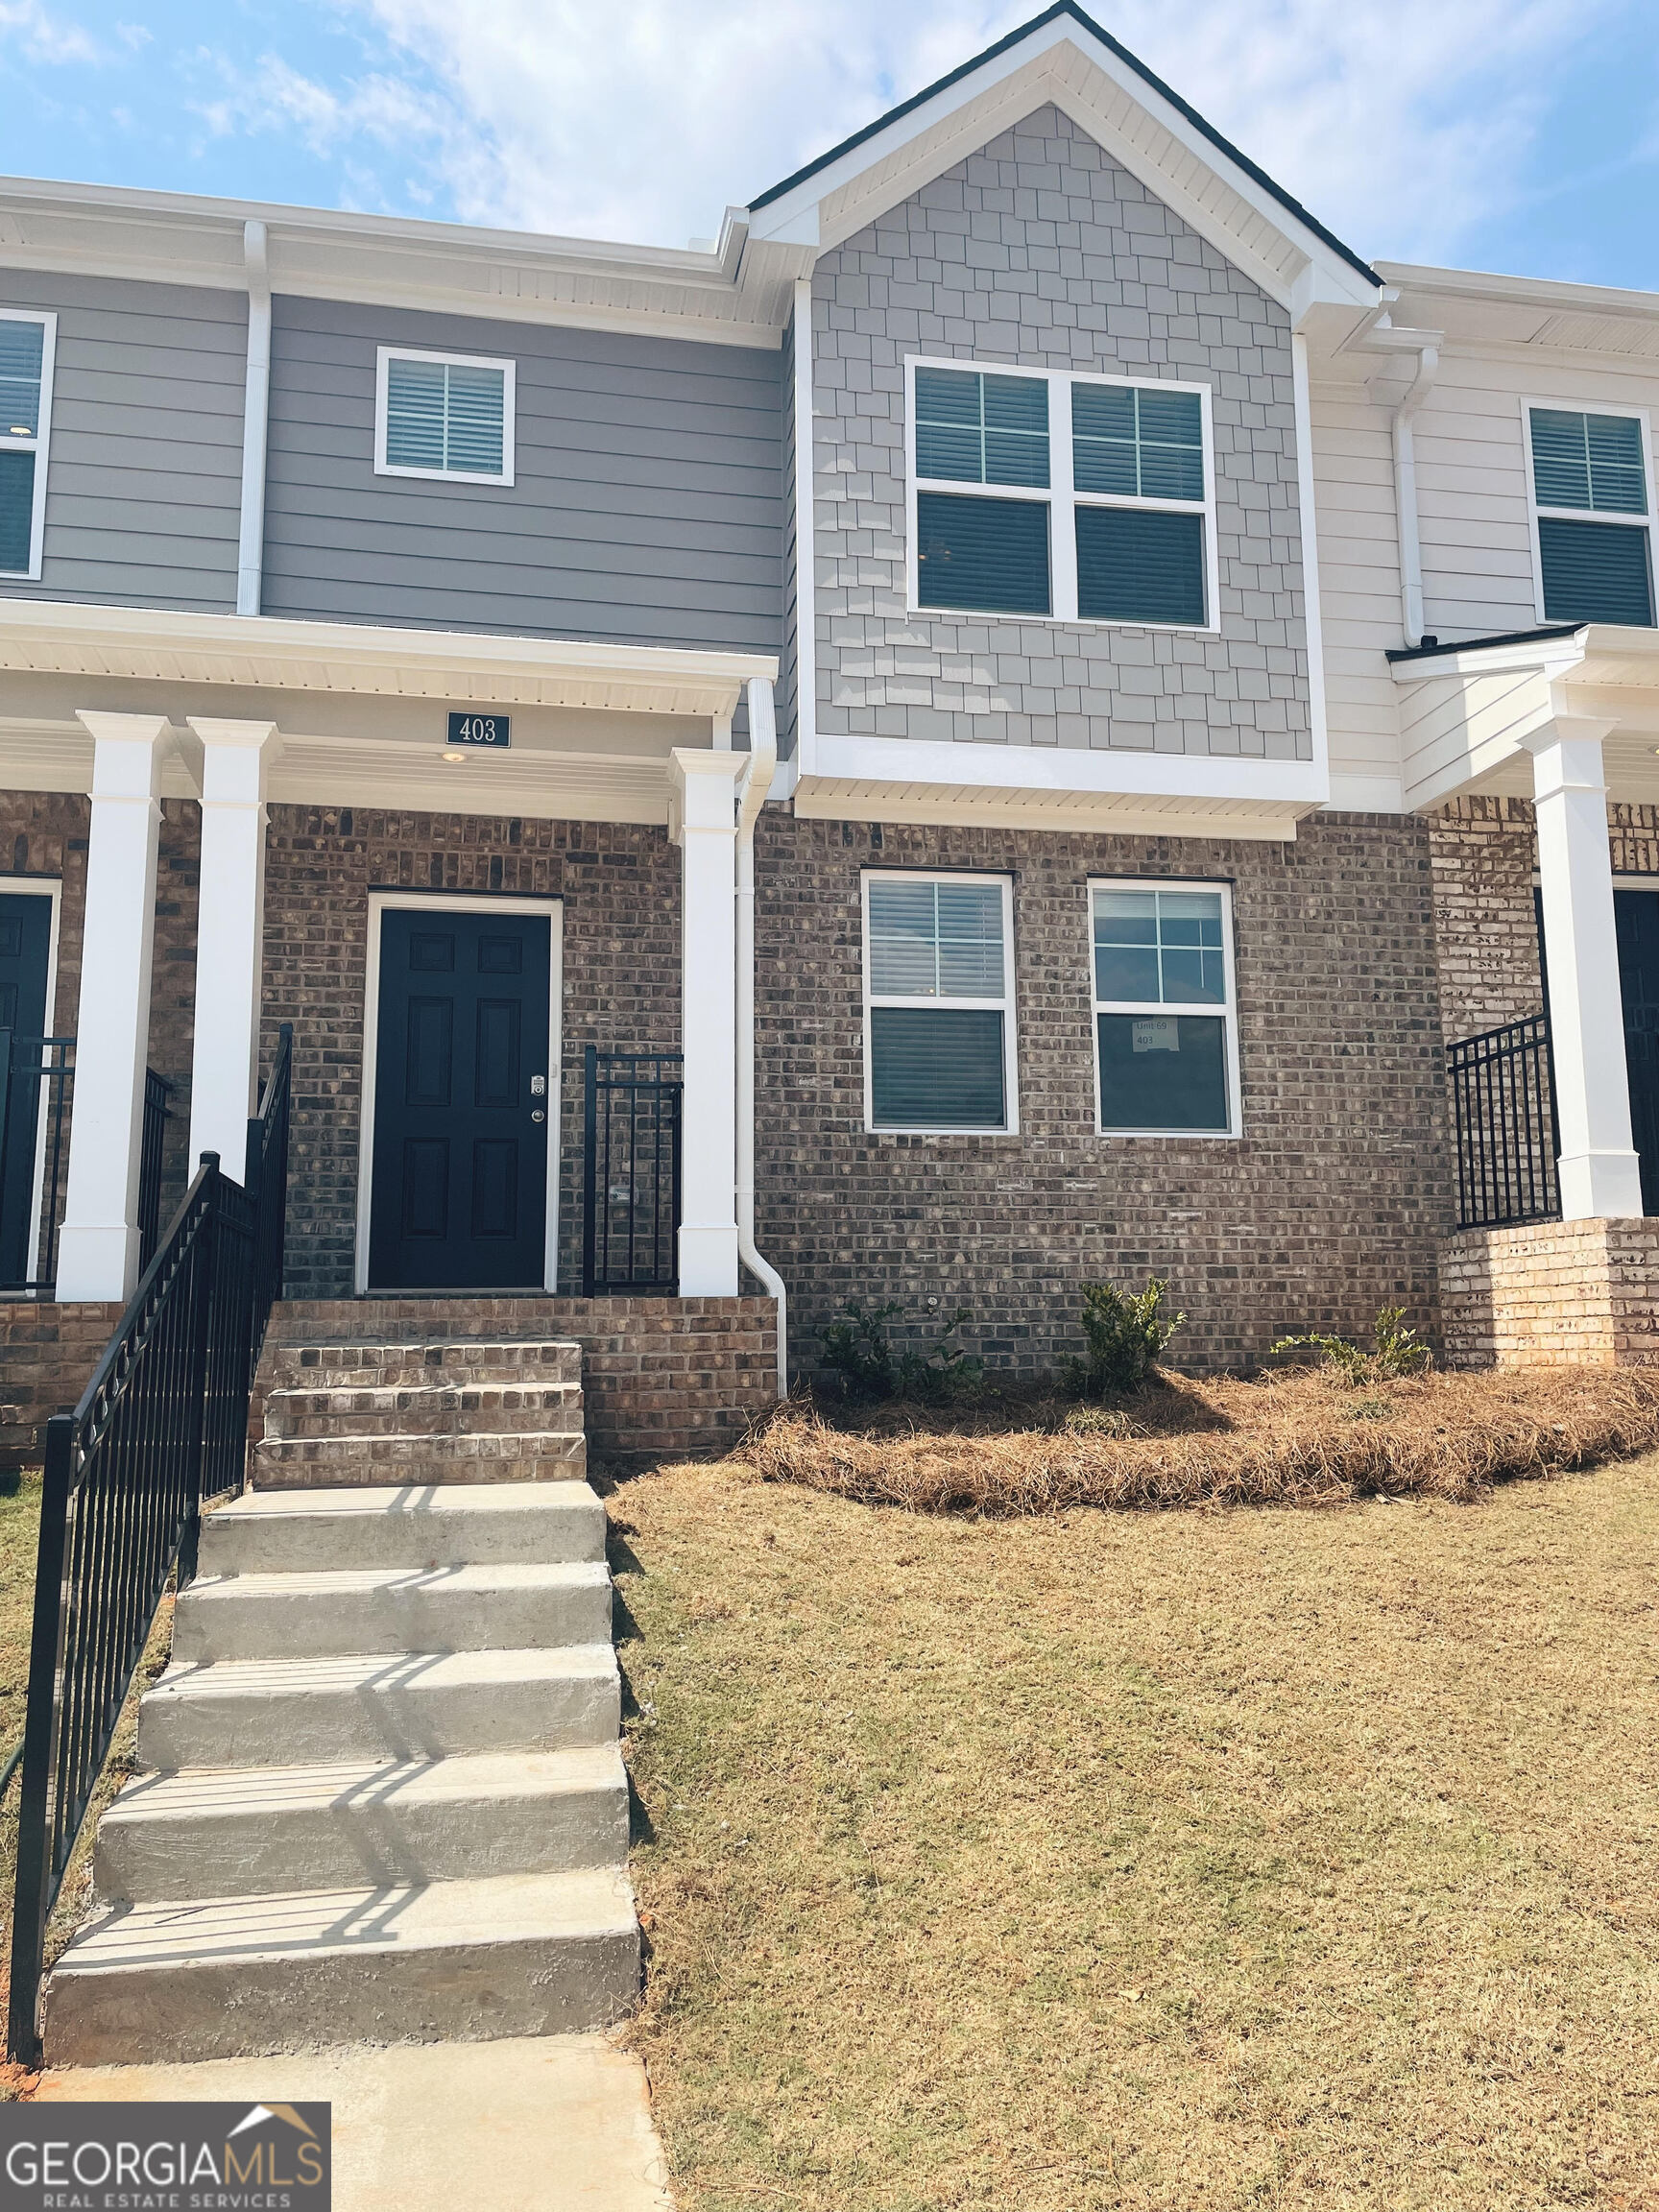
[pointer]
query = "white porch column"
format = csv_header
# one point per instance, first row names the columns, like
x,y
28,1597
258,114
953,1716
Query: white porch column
x,y
704,823
98,1245
229,935
1600,1171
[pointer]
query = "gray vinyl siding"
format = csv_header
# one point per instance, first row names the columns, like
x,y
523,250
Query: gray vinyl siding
x,y
144,480
646,506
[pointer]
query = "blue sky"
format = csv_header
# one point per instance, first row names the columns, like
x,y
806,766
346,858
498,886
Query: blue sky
x,y
1512,134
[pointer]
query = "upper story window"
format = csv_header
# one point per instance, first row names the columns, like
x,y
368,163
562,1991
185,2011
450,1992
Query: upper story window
x,y
1164,1019
939,1001
1071,499
27,344
443,415
1590,502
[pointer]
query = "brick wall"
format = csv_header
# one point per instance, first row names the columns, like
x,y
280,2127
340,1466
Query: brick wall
x,y
1555,1293
1329,1206
47,1355
1042,252
661,1377
620,885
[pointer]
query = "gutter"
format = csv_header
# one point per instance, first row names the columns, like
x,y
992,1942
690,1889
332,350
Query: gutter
x,y
255,420
1383,336
755,786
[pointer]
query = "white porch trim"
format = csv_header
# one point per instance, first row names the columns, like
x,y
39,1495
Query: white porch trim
x,y
704,825
229,935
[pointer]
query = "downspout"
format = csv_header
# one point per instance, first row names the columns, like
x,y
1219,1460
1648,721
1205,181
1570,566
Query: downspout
x,y
255,417
1405,495
752,797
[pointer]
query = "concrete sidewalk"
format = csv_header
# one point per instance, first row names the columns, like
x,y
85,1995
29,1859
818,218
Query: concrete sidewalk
x,y
547,2124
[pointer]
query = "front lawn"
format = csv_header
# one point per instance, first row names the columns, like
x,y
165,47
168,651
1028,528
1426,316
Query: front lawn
x,y
1184,1860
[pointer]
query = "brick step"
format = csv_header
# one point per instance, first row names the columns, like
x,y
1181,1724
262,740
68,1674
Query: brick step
x,y
514,1954
380,1705
298,1531
429,1410
233,1834
340,1612
407,1360
528,1455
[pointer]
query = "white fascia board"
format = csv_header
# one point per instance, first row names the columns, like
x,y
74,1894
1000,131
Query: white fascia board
x,y
1556,656
1542,292
1098,90
1066,773
51,636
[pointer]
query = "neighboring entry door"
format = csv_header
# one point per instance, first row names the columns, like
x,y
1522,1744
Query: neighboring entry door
x,y
1636,916
463,1094
25,949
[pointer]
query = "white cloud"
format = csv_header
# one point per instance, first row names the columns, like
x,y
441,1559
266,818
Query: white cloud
x,y
44,37
1400,123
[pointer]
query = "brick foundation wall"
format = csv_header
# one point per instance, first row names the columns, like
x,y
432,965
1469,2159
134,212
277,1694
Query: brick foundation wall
x,y
1555,1293
47,1355
661,1377
1330,1205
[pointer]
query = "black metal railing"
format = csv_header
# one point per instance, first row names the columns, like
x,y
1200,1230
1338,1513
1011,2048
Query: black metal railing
x,y
630,1171
161,1425
36,1077
152,1146
1504,1112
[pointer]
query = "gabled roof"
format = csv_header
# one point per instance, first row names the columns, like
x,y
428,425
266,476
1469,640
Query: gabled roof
x,y
1062,56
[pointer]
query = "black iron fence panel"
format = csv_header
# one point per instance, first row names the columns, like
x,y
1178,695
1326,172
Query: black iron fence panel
x,y
151,1147
630,1171
162,1425
1503,1114
37,1078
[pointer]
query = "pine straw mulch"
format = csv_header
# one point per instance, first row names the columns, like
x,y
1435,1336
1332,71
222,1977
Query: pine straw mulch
x,y
1292,1437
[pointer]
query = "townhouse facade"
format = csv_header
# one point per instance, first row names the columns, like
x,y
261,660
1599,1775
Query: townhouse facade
x,y
999,728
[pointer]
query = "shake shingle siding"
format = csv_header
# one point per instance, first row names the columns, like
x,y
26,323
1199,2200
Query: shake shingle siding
x,y
1041,252
144,482
646,506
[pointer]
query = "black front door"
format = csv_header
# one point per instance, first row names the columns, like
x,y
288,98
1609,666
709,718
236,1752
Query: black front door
x,y
25,946
1636,916
461,1099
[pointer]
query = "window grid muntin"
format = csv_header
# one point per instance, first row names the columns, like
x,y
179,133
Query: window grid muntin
x,y
1603,473
1224,1010
1004,1005
1063,493
25,429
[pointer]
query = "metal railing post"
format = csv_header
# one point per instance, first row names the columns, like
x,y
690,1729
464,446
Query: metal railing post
x,y
589,1162
206,1261
34,1891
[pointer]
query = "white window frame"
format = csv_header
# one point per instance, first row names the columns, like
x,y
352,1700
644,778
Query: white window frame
x,y
41,444
1061,497
385,355
911,1001
1645,521
1227,1009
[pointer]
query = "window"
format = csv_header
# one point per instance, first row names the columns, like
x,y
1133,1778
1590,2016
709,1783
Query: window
x,y
1165,1028
939,1004
27,343
1585,465
444,414
1075,498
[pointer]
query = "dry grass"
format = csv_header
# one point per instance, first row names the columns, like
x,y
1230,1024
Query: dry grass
x,y
1182,1861
1293,1437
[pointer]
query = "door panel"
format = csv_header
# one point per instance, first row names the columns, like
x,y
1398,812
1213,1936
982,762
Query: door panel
x,y
1636,917
459,1195
25,947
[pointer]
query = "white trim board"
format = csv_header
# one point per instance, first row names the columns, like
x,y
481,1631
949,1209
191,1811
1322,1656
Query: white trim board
x,y
40,887
449,902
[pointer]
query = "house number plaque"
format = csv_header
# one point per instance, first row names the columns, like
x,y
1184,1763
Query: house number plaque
x,y
488,730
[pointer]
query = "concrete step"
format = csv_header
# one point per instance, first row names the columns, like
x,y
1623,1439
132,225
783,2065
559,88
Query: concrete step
x,y
278,1462
426,1409
514,1954
298,1531
379,1705
449,1360
412,1609
234,1834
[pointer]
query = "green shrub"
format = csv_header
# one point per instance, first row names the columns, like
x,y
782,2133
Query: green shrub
x,y
1395,1350
861,1351
1126,1337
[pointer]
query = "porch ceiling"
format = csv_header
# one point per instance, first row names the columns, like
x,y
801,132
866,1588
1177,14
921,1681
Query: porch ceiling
x,y
1466,712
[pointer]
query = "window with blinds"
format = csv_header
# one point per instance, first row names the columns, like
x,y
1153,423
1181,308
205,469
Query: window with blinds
x,y
1590,495
444,414
26,348
1164,1010
939,1007
1081,499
